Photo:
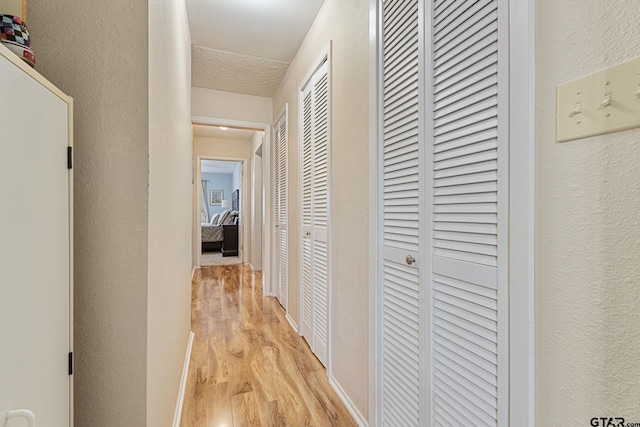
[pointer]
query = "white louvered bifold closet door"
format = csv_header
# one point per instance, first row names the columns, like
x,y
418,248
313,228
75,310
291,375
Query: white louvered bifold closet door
x,y
401,276
444,323
280,192
469,146
315,212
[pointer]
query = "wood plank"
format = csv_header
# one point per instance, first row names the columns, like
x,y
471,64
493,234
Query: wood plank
x,y
248,367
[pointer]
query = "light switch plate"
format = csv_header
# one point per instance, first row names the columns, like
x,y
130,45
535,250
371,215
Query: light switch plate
x,y
602,102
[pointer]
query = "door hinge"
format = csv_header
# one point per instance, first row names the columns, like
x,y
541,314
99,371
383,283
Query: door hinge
x,y
69,157
71,363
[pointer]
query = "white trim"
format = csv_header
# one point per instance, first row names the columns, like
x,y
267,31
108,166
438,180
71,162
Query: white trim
x,y
183,382
351,407
197,208
71,263
375,362
267,230
291,322
193,271
521,206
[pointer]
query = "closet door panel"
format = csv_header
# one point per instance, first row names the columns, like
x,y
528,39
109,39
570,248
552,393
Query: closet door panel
x,y
320,88
466,147
400,323
307,217
280,208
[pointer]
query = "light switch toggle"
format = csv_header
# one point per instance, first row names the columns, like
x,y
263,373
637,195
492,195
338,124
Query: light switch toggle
x,y
606,101
576,110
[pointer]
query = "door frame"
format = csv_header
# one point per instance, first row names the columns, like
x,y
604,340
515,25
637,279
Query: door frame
x,y
243,207
267,229
521,211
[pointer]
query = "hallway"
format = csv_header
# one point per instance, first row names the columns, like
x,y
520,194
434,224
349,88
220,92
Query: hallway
x,y
248,367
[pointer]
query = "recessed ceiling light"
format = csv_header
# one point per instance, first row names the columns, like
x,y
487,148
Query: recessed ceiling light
x,y
224,128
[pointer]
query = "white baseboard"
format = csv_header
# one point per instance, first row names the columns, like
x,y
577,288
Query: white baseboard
x,y
193,271
292,323
183,382
357,416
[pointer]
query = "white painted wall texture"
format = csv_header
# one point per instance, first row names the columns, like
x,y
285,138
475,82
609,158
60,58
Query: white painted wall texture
x,y
587,227
170,208
347,24
132,152
108,78
230,106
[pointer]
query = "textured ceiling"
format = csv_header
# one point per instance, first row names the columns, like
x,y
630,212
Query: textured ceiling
x,y
232,72
216,132
245,46
271,29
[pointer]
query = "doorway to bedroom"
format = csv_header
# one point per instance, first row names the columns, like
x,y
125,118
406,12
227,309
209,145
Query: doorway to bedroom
x,y
221,212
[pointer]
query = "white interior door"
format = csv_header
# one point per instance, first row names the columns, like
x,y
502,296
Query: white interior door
x,y
280,191
444,153
35,247
315,212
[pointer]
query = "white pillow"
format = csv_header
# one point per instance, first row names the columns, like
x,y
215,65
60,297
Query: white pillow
x,y
214,218
222,217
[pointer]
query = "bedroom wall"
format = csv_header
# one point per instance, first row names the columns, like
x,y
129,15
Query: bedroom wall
x,y
108,77
347,24
587,233
170,179
218,181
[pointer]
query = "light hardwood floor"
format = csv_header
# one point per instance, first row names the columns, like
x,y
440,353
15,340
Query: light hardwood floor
x,y
248,366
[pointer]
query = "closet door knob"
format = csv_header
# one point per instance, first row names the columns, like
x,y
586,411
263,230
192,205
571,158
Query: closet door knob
x,y
410,260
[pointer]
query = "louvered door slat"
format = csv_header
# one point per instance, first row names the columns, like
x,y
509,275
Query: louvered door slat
x,y
280,208
315,212
307,214
401,208
320,120
466,173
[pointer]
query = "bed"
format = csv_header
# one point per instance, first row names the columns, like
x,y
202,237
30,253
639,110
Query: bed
x,y
212,235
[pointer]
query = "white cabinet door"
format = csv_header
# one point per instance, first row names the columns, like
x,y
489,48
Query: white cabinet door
x,y
35,270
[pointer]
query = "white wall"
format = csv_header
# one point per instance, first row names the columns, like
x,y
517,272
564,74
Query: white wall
x,y
170,189
231,106
222,149
132,153
108,78
256,195
347,24
587,227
